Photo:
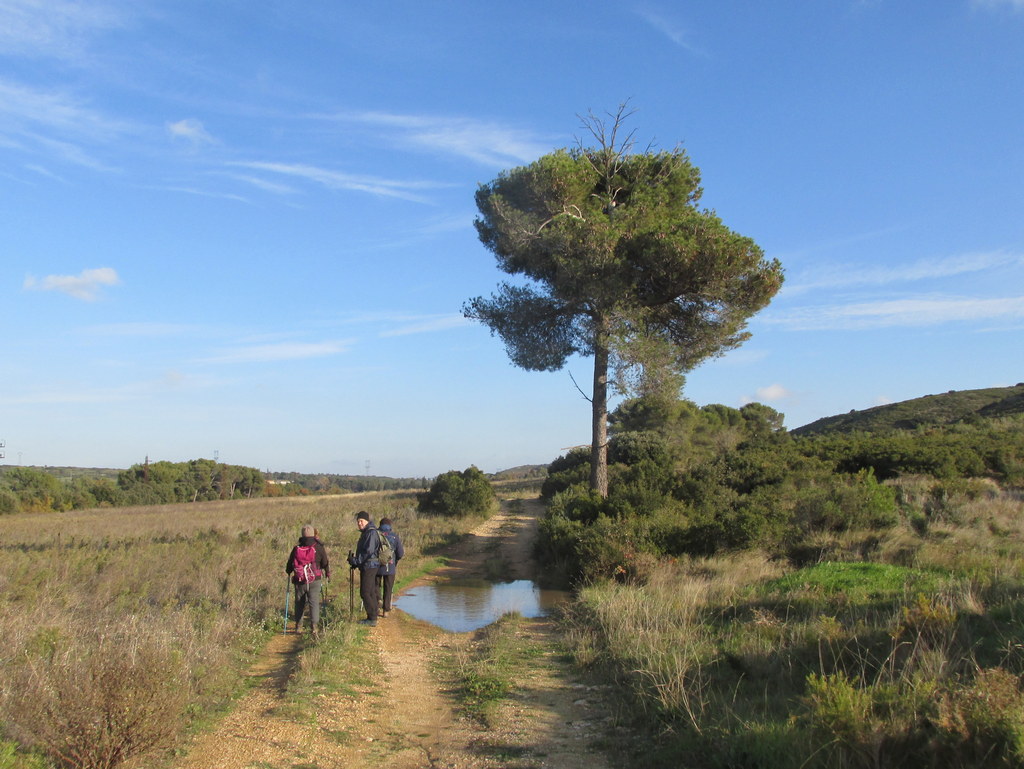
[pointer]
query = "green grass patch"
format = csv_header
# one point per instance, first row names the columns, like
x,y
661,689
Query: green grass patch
x,y
859,582
483,670
13,758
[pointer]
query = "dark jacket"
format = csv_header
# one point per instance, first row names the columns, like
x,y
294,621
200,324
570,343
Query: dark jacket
x,y
321,556
396,545
365,556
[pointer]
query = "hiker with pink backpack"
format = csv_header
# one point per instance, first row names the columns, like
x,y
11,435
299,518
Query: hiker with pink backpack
x,y
308,566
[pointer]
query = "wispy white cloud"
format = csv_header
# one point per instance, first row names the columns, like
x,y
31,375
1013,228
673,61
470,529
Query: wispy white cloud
x,y
385,323
271,353
207,193
485,142
22,106
263,184
668,27
71,153
774,392
191,130
771,394
912,312
56,124
70,395
843,276
448,223
1016,5
44,172
744,356
131,391
427,325
142,329
53,28
338,180
85,285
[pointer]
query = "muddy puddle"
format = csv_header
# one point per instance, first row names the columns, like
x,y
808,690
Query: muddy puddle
x,y
461,606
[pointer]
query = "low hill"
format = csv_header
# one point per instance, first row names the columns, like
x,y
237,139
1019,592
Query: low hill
x,y
521,472
947,408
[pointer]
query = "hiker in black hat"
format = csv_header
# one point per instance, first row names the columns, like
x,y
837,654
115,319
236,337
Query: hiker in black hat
x,y
365,559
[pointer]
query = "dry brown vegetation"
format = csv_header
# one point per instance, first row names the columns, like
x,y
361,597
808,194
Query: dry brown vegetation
x,y
123,627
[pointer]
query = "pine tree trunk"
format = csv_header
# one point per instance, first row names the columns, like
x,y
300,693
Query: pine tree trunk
x,y
599,440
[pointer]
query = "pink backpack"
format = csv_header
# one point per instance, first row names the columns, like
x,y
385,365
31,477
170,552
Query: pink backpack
x,y
304,568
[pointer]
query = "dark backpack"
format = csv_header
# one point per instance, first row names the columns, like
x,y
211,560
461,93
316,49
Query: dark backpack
x,y
304,568
386,551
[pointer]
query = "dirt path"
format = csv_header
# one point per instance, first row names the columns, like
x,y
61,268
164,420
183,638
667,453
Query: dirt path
x,y
405,715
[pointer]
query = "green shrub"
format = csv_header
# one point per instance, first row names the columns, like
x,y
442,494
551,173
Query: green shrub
x,y
632,448
8,501
565,479
460,495
577,503
565,471
574,550
846,502
638,489
841,710
556,551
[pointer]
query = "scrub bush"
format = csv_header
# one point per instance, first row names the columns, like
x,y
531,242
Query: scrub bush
x,y
566,471
97,701
460,495
983,723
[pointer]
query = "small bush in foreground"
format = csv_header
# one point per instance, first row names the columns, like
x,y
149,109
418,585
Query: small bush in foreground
x,y
984,722
95,705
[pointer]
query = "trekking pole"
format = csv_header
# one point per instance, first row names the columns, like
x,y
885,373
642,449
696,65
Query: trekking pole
x,y
323,604
351,589
287,595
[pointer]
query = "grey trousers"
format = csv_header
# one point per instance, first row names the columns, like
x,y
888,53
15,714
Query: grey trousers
x,y
307,593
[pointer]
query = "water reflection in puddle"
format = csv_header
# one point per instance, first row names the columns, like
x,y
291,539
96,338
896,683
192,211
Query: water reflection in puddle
x,y
464,606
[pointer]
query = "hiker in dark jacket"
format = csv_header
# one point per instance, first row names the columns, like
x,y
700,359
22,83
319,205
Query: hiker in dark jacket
x,y
386,573
365,559
308,588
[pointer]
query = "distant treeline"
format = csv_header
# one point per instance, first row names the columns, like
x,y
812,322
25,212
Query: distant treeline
x,y
29,489
37,489
286,484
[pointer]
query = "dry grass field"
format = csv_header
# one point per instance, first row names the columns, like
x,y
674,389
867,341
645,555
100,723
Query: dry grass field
x,y
124,627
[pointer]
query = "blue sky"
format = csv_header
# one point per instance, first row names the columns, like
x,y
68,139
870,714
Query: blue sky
x,y
244,230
